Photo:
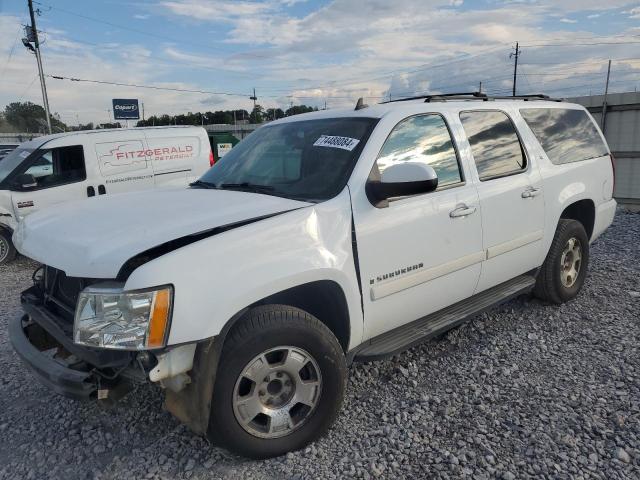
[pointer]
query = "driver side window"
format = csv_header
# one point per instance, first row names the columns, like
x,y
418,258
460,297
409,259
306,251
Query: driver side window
x,y
58,166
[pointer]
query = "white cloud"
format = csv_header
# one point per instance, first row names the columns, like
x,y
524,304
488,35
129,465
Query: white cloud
x,y
634,12
338,52
593,15
139,16
568,20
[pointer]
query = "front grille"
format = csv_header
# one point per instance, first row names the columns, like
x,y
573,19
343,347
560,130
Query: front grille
x,y
59,292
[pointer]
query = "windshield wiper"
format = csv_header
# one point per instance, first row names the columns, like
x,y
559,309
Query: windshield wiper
x,y
203,184
251,187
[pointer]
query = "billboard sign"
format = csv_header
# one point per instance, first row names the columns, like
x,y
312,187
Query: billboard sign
x,y
125,109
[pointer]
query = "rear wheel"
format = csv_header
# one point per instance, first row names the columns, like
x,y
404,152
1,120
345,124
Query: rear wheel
x,y
7,250
565,268
280,383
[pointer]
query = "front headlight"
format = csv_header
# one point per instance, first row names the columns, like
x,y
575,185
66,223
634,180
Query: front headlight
x,y
111,318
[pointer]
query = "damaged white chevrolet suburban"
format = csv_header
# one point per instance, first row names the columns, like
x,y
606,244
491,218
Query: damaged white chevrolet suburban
x,y
321,239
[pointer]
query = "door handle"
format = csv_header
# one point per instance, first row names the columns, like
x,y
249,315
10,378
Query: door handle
x,y
531,192
462,211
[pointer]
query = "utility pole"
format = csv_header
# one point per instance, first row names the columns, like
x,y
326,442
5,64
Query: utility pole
x,y
254,98
32,36
515,55
143,111
604,100
480,89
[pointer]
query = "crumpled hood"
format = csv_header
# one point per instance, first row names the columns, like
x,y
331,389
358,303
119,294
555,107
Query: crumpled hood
x,y
93,238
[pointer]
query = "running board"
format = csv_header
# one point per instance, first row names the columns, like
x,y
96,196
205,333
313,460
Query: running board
x,y
407,336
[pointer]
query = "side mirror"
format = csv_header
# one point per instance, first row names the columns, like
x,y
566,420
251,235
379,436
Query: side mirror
x,y
26,180
401,180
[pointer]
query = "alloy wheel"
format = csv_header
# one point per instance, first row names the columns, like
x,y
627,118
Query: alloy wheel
x,y
277,391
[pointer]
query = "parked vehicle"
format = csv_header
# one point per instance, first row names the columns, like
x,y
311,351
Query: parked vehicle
x,y
72,166
319,240
6,149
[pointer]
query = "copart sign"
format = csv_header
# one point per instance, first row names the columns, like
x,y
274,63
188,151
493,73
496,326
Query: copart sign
x,y
125,109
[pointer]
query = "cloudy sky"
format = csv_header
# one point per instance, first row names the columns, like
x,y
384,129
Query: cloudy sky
x,y
312,52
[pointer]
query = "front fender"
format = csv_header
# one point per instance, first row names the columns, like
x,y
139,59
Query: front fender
x,y
219,276
7,218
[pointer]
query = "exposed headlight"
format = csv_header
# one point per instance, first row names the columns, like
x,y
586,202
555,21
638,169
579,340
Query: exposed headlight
x,y
108,317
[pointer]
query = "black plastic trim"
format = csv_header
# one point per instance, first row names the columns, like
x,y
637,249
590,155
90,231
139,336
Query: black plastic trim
x,y
65,381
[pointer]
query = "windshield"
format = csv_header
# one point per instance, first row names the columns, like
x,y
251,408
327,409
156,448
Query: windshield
x,y
11,161
306,160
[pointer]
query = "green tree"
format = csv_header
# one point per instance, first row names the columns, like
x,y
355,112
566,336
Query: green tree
x,y
257,114
274,113
31,118
298,109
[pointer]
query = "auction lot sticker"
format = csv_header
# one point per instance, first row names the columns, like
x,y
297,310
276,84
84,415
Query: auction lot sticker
x,y
344,143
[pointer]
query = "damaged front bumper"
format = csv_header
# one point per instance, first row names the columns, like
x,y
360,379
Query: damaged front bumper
x,y
44,342
66,381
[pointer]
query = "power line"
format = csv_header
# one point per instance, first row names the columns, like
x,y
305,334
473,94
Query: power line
x,y
594,62
152,87
115,25
419,68
13,47
573,44
183,90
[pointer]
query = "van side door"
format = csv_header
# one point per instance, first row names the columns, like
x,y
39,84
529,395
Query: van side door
x,y
124,163
173,157
420,253
511,196
59,174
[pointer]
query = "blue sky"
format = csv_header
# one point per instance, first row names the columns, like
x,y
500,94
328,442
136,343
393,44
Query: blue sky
x,y
297,51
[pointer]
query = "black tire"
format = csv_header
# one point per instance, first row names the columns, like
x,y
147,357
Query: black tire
x,y
7,250
549,284
261,329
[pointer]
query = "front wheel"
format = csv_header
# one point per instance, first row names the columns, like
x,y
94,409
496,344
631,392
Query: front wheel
x,y
7,250
280,383
565,268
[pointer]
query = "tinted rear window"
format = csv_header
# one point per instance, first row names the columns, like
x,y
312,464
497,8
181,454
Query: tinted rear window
x,y
495,145
565,135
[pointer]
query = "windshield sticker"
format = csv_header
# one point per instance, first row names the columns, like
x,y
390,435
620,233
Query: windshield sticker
x,y
24,154
344,143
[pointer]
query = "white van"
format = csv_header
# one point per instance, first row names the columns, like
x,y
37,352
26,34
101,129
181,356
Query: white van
x,y
77,165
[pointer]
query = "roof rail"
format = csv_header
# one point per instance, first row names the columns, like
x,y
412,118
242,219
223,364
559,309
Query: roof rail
x,y
428,98
442,97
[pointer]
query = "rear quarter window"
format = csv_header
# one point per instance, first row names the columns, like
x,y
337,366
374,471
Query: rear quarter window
x,y
566,135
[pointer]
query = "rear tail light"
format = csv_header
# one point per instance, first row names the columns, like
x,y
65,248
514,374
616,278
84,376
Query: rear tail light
x,y
613,168
212,159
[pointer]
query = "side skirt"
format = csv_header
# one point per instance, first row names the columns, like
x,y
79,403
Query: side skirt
x,y
418,331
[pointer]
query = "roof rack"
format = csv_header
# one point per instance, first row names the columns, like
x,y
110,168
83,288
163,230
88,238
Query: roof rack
x,y
443,97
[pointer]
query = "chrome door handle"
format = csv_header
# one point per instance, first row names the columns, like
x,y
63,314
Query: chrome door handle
x,y
531,192
462,211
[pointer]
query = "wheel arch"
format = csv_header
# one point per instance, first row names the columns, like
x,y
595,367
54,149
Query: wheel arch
x,y
583,211
324,299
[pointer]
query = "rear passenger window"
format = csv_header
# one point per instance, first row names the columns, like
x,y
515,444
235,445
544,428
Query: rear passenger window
x,y
565,135
424,139
495,145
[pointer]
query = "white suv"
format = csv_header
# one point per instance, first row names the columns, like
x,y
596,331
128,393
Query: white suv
x,y
320,240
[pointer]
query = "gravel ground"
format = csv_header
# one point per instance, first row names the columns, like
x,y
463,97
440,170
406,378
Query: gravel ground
x,y
528,390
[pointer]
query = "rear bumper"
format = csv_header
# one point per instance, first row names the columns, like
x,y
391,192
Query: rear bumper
x,y
59,378
604,218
